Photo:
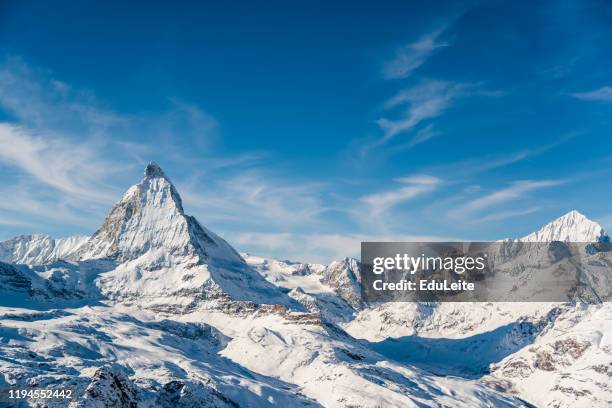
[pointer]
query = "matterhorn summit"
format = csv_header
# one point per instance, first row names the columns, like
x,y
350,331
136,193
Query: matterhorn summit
x,y
571,227
163,258
150,218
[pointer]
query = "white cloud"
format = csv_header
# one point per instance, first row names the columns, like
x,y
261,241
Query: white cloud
x,y
40,101
69,157
603,94
29,206
316,248
427,100
421,136
502,215
466,168
413,186
14,223
254,198
67,166
411,56
515,191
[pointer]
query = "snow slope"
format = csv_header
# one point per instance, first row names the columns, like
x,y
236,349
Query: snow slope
x,y
39,249
155,310
115,358
510,340
571,227
571,361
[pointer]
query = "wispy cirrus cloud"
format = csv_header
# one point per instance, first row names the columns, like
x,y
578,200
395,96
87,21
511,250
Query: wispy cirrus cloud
x,y
466,168
502,215
55,146
411,187
488,202
318,247
33,205
38,100
426,100
603,94
411,56
70,156
68,166
422,136
251,198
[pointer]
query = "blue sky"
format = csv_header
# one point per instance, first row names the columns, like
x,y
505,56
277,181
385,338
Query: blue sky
x,y
298,130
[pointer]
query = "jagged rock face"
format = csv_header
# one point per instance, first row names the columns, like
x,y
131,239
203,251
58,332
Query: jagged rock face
x,y
572,227
52,283
214,339
182,394
109,388
309,285
344,276
571,360
150,216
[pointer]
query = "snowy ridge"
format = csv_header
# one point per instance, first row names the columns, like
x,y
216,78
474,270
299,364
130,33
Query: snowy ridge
x,y
571,227
311,285
155,310
549,354
39,249
571,360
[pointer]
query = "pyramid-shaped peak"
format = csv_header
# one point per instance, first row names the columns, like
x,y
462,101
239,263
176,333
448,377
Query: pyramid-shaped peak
x,y
154,171
574,216
571,227
150,218
161,254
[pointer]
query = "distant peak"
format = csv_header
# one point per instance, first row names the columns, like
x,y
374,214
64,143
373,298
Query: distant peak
x,y
154,171
575,215
571,227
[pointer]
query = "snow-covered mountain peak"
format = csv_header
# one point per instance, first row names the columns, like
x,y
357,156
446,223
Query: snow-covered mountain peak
x,y
166,258
571,227
150,218
154,171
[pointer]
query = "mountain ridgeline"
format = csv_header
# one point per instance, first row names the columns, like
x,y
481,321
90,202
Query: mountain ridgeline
x,y
155,310
148,251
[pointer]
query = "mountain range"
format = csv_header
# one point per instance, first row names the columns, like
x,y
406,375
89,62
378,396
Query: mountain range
x,y
156,310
